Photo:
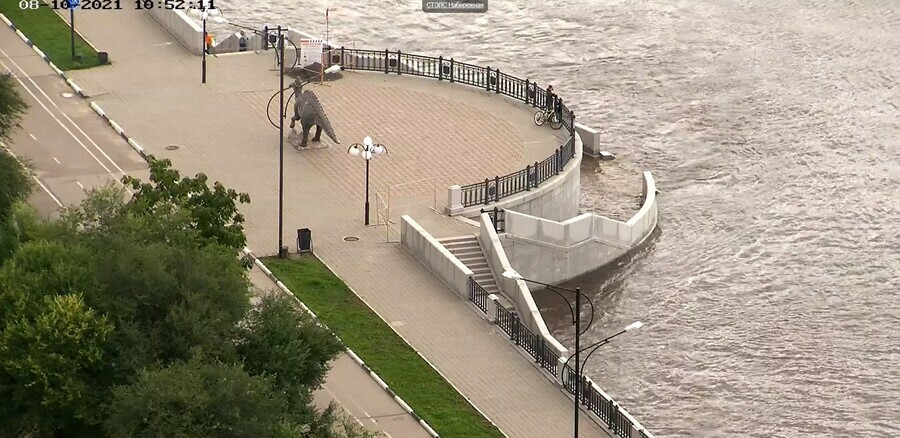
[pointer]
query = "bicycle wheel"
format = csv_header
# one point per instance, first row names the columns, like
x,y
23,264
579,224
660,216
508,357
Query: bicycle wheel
x,y
555,121
539,118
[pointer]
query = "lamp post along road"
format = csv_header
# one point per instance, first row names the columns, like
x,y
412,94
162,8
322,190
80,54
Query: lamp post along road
x,y
576,320
204,13
367,150
72,5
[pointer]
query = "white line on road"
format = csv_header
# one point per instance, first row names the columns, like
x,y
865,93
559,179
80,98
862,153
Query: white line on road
x,y
79,184
57,161
33,137
61,124
335,398
52,196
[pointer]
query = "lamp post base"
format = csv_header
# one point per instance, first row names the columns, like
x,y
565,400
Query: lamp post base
x,y
283,252
367,212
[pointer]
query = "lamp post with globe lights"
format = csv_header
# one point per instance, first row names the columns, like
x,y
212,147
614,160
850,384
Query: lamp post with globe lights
x,y
367,150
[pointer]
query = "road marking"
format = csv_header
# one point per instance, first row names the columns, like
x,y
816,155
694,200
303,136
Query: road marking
x,y
57,161
384,432
52,196
33,137
79,184
61,124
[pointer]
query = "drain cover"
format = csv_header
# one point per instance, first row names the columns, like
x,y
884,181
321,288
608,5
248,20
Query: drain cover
x,y
172,147
66,95
351,239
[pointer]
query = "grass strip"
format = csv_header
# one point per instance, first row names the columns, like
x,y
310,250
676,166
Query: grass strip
x,y
413,379
51,34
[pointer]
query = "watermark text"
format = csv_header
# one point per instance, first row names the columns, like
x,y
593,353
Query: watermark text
x,y
451,6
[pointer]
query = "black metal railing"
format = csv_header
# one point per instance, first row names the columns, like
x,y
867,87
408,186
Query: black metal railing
x,y
604,408
478,295
592,400
497,218
490,79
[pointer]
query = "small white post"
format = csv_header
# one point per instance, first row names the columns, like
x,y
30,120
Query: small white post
x,y
454,200
492,308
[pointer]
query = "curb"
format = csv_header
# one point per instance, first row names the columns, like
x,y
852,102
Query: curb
x,y
43,56
349,352
131,142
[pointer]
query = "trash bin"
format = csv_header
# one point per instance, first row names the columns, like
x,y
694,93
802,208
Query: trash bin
x,y
304,240
104,57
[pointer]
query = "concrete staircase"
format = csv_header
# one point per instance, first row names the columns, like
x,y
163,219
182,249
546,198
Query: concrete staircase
x,y
468,251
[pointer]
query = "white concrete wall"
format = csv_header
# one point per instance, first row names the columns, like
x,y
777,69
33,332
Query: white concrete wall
x,y
556,199
435,256
515,290
554,252
590,138
182,27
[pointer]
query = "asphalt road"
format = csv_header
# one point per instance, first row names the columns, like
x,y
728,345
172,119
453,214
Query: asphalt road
x,y
71,150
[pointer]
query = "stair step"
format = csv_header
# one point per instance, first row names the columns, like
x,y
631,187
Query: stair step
x,y
458,239
472,259
478,268
467,251
461,245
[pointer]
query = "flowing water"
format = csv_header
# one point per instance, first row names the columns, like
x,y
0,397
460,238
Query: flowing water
x,y
771,295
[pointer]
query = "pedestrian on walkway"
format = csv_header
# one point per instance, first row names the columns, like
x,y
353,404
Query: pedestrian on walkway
x,y
209,43
242,42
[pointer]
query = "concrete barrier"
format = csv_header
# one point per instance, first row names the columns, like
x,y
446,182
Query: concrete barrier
x,y
516,290
435,256
554,252
181,27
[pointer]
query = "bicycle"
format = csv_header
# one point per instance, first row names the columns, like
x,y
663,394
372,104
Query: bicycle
x,y
545,116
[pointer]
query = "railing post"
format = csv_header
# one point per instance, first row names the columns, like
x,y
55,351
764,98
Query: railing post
x,y
265,38
441,68
497,188
398,62
343,62
486,192
534,180
497,84
527,88
386,60
515,328
451,70
487,79
528,177
558,155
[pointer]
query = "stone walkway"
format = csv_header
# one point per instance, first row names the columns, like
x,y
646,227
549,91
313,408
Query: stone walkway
x,y
451,133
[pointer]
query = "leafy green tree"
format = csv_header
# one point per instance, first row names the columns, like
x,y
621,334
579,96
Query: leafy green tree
x,y
49,364
196,399
12,106
279,341
15,183
213,211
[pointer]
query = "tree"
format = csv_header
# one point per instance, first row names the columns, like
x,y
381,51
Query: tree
x,y
15,182
213,211
12,107
196,399
279,341
48,366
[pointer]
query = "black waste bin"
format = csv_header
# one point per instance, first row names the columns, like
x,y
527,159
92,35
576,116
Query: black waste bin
x,y
104,57
304,240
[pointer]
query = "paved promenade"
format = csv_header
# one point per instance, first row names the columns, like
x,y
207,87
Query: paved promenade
x,y
452,133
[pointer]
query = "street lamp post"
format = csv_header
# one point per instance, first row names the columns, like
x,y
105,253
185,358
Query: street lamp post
x,y
204,13
576,320
367,150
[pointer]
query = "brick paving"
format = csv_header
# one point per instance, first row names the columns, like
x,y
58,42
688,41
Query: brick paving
x,y
452,133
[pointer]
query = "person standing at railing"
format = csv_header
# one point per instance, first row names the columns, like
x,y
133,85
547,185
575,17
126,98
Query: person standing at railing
x,y
209,43
552,103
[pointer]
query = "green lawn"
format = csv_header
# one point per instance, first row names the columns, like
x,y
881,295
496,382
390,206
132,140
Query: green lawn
x,y
51,34
430,396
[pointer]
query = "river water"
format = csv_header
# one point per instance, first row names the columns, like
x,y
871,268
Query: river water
x,y
770,295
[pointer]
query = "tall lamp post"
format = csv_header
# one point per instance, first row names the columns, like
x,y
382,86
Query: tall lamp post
x,y
576,320
203,12
367,150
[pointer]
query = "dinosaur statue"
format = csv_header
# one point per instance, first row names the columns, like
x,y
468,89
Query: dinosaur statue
x,y
308,110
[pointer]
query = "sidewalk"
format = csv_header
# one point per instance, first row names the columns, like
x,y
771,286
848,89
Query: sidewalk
x,y
449,132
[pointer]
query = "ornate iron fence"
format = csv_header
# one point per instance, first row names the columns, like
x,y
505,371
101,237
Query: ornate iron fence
x,y
490,79
604,408
478,295
497,218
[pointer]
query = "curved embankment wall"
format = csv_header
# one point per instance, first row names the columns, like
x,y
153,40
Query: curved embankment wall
x,y
554,252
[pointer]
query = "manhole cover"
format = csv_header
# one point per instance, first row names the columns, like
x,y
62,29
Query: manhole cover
x,y
66,95
172,147
351,239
